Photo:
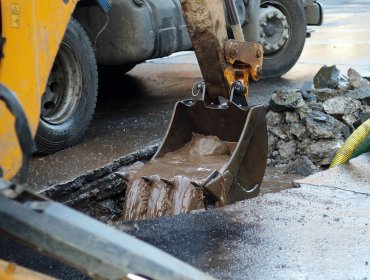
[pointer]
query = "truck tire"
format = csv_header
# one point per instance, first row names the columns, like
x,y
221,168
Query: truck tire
x,y
68,104
283,35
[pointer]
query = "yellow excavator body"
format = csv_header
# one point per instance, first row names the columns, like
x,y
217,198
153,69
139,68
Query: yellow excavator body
x,y
31,32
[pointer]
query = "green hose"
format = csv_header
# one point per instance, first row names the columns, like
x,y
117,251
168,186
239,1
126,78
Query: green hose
x,y
363,148
355,144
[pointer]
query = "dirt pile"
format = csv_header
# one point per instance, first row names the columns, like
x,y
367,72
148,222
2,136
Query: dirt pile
x,y
307,127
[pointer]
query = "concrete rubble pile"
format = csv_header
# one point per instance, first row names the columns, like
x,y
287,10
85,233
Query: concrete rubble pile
x,y
306,128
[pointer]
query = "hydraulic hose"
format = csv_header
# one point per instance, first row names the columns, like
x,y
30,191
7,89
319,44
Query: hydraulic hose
x,y
22,130
356,144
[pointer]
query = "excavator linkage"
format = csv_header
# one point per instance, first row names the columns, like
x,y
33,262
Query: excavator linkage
x,y
211,157
215,150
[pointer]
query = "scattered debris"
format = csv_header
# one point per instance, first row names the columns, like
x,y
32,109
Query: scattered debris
x,y
330,77
342,105
362,94
307,127
286,101
322,126
324,94
302,166
355,79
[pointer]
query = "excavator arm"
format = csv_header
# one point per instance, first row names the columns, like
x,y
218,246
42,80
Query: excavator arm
x,y
226,64
215,149
31,32
214,152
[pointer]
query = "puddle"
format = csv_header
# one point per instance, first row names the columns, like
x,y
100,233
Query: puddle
x,y
275,180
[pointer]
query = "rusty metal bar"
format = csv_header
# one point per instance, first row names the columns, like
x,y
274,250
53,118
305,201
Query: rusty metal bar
x,y
97,249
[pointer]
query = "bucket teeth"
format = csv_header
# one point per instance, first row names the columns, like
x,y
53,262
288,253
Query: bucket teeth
x,y
148,180
197,184
168,182
211,176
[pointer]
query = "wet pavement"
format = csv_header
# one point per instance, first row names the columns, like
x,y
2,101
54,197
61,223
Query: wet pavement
x,y
133,110
317,231
354,176
306,233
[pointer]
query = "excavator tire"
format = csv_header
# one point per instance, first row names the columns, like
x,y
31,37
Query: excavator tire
x,y
68,103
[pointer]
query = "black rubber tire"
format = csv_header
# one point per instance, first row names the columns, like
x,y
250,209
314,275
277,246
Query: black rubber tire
x,y
277,64
52,137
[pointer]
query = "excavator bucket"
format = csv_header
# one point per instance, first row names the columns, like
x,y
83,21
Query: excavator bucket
x,y
210,157
214,153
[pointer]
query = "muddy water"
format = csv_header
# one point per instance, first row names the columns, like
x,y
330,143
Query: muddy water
x,y
171,184
276,180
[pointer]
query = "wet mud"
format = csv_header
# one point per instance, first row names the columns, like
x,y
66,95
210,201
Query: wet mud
x,y
173,184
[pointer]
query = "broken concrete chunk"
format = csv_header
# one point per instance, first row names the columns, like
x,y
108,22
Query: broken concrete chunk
x,y
302,166
278,132
298,130
286,101
345,131
349,120
322,126
286,128
308,96
315,106
330,77
324,94
362,93
342,106
315,121
272,140
355,79
366,109
274,118
322,152
291,117
208,146
287,150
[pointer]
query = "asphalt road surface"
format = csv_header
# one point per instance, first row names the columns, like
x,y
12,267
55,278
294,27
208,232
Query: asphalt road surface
x,y
133,110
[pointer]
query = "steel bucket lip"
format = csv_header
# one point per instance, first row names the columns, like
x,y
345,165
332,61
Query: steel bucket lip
x,y
230,122
191,104
229,105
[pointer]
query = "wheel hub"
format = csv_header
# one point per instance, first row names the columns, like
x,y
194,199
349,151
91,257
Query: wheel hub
x,y
274,29
63,90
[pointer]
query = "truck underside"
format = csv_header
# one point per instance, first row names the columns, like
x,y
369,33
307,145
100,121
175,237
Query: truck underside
x,y
135,31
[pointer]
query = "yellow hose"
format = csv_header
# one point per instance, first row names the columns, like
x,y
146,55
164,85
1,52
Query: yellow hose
x,y
351,144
